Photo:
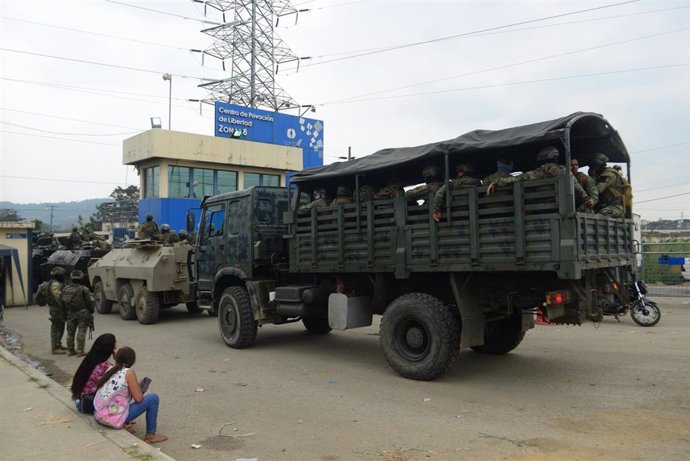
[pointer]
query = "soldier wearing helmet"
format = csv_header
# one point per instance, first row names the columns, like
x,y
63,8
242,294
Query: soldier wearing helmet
x,y
392,189
79,304
51,292
464,177
342,196
166,237
74,239
432,178
320,200
614,190
149,229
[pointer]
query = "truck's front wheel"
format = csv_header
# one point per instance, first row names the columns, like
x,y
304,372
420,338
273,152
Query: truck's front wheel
x,y
235,318
103,306
147,305
420,336
502,336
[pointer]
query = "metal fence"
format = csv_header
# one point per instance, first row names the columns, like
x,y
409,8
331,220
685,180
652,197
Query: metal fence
x,y
662,270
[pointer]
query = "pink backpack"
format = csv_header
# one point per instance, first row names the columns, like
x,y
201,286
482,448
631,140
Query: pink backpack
x,y
113,411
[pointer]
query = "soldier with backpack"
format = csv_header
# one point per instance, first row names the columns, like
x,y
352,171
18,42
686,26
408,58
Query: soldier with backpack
x,y
79,304
50,293
615,193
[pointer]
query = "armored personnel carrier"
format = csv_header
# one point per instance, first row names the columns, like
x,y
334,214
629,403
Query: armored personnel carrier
x,y
70,260
141,279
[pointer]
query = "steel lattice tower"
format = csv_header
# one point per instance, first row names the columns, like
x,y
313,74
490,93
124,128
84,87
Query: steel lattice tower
x,y
247,40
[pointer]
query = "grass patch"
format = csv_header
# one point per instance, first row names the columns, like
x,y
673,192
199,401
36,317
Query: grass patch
x,y
137,453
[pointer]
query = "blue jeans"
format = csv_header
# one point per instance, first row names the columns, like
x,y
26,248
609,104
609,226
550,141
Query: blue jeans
x,y
148,405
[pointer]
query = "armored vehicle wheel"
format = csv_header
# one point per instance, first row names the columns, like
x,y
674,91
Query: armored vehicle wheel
x,y
502,336
316,325
147,306
103,306
125,298
193,307
420,336
235,318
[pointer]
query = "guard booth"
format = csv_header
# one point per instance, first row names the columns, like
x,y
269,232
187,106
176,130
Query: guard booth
x,y
15,261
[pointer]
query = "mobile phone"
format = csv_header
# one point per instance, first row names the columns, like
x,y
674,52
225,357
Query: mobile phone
x,y
144,384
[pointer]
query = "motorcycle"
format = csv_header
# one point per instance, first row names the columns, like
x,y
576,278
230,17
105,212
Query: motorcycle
x,y
643,311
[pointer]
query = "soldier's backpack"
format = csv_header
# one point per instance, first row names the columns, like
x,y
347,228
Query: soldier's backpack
x,y
73,298
42,294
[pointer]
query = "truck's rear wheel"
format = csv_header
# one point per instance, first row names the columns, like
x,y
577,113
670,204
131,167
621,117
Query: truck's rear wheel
x,y
125,298
502,336
103,306
420,336
316,325
147,305
235,318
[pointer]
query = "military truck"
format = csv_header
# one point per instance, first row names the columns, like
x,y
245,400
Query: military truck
x,y
142,279
474,280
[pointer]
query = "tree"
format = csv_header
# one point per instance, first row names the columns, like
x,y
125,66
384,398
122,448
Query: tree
x,y
124,210
38,225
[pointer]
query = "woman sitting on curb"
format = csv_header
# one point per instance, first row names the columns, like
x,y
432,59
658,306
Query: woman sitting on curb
x,y
91,369
122,377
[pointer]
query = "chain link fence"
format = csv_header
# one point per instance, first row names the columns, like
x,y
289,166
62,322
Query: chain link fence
x,y
662,267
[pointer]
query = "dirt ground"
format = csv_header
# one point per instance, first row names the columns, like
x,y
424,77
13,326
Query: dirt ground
x,y
609,391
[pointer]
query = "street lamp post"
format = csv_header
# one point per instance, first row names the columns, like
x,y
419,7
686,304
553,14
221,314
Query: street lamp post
x,y
168,77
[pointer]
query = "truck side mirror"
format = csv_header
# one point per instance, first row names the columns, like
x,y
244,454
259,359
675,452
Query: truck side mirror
x,y
190,222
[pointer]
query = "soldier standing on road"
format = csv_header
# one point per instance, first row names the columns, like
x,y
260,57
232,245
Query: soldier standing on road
x,y
464,178
79,304
58,315
433,181
588,185
342,196
612,187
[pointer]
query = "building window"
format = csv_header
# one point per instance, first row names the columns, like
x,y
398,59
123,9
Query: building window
x,y
203,182
257,179
227,181
151,182
178,181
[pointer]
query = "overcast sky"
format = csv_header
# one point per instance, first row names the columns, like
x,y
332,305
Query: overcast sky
x,y
78,77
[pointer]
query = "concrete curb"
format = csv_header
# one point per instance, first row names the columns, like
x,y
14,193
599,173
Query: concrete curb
x,y
129,444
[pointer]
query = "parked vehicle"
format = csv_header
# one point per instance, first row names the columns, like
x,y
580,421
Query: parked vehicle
x,y
643,311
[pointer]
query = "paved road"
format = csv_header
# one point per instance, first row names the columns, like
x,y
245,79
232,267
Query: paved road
x,y
614,392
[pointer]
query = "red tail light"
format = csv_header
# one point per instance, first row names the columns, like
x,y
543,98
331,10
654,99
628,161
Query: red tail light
x,y
557,297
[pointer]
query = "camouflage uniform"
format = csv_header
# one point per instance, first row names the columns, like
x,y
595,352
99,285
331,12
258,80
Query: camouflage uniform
x,y
319,201
392,189
455,184
422,192
493,177
74,239
366,193
610,188
149,230
170,237
79,305
342,196
590,189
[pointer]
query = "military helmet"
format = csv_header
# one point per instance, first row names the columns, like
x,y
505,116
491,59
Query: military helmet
x,y
465,168
165,228
149,216
182,232
76,275
342,191
75,229
429,171
57,270
598,160
547,154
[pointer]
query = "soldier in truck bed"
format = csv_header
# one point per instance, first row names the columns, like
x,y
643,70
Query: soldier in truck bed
x,y
433,181
614,190
392,189
342,196
320,200
464,178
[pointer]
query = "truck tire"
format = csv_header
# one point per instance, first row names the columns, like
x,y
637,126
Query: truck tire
x,y
420,336
502,336
236,319
316,325
147,306
103,306
193,307
125,298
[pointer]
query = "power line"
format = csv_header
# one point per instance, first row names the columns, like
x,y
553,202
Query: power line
x,y
65,118
61,180
117,37
662,187
67,134
662,198
661,147
465,34
62,139
84,61
524,82
505,66
203,21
